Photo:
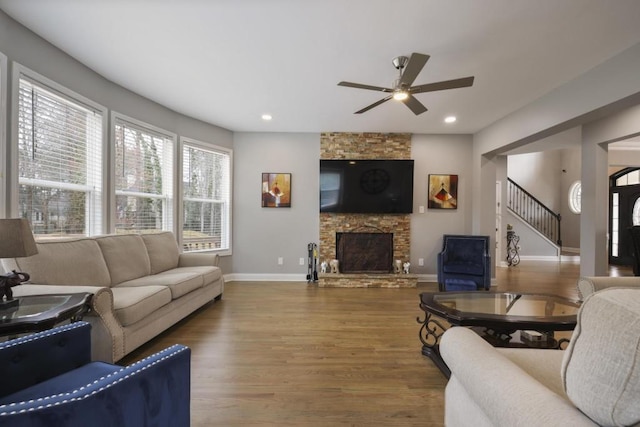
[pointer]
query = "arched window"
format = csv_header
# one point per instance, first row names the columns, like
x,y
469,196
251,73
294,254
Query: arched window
x,y
575,197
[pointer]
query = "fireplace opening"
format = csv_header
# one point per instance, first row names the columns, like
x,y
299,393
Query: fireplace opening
x,y
365,252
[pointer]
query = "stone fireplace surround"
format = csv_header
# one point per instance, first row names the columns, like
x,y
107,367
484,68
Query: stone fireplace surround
x,y
365,146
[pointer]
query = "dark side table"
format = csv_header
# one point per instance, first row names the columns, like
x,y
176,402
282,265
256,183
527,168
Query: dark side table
x,y
36,313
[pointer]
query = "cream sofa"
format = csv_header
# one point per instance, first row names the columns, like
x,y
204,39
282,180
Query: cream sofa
x,y
141,284
589,285
595,381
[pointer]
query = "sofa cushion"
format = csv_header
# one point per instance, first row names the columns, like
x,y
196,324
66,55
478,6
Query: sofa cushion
x,y
542,364
180,283
163,251
209,274
77,262
134,303
126,257
601,366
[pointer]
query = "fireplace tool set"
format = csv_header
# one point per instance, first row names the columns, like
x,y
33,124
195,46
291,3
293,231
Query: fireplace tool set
x,y
312,263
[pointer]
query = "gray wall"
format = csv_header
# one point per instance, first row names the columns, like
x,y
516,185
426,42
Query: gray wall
x,y
547,175
438,154
539,174
261,235
24,47
572,171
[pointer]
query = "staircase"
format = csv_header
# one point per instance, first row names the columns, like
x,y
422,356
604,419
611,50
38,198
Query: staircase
x,y
533,212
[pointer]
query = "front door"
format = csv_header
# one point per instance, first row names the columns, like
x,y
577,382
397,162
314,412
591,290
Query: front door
x,y
624,212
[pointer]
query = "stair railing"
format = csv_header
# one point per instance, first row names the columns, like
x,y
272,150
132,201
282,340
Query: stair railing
x,y
533,212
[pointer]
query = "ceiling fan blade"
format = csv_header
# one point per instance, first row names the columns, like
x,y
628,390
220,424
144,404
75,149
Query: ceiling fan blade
x,y
413,68
369,87
415,105
375,104
447,84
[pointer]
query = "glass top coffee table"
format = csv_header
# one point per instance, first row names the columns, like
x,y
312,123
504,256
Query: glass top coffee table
x,y
504,319
40,312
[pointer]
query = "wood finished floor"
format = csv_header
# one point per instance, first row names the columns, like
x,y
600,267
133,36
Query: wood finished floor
x,y
292,354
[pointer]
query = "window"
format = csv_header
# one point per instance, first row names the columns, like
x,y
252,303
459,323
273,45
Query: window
x,y
575,197
615,221
59,156
3,146
206,187
143,177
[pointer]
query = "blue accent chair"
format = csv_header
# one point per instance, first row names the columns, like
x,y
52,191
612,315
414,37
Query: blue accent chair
x,y
464,263
48,379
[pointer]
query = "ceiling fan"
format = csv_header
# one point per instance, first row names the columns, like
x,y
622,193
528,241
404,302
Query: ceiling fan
x,y
408,69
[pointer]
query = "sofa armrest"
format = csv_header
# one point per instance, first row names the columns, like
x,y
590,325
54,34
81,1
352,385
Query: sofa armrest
x,y
505,393
196,259
107,332
589,285
66,347
154,391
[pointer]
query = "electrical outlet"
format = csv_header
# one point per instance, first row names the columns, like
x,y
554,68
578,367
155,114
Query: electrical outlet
x,y
280,260
301,261
421,209
421,261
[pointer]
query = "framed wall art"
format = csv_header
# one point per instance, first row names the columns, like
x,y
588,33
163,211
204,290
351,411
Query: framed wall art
x,y
276,190
443,192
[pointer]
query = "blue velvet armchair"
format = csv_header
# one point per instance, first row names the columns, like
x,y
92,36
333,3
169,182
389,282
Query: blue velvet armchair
x,y
48,379
464,263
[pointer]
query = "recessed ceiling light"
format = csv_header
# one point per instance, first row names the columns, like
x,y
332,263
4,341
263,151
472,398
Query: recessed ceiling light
x,y
266,117
450,119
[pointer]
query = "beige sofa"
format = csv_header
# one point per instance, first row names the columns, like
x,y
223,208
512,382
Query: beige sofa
x,y
595,381
589,285
141,284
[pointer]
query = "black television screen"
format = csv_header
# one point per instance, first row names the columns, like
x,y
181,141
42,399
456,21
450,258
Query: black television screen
x,y
366,186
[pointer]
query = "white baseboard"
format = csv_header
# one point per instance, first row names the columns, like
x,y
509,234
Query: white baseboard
x,y
546,258
252,277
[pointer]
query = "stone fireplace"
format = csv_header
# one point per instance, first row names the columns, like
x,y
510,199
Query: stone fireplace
x,y
398,226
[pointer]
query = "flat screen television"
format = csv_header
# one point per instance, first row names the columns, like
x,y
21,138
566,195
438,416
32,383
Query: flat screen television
x,y
366,186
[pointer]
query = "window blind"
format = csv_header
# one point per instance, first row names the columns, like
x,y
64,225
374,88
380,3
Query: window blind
x,y
59,162
143,179
206,180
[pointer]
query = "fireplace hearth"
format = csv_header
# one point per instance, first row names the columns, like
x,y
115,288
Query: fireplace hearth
x,y
370,253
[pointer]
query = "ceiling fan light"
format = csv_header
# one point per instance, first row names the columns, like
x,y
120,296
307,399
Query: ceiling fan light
x,y
400,95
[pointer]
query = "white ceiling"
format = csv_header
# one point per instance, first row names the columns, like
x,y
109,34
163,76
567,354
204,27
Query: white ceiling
x,y
227,62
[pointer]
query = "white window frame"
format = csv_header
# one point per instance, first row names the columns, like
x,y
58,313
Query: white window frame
x,y
227,221
573,204
4,165
96,224
170,204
